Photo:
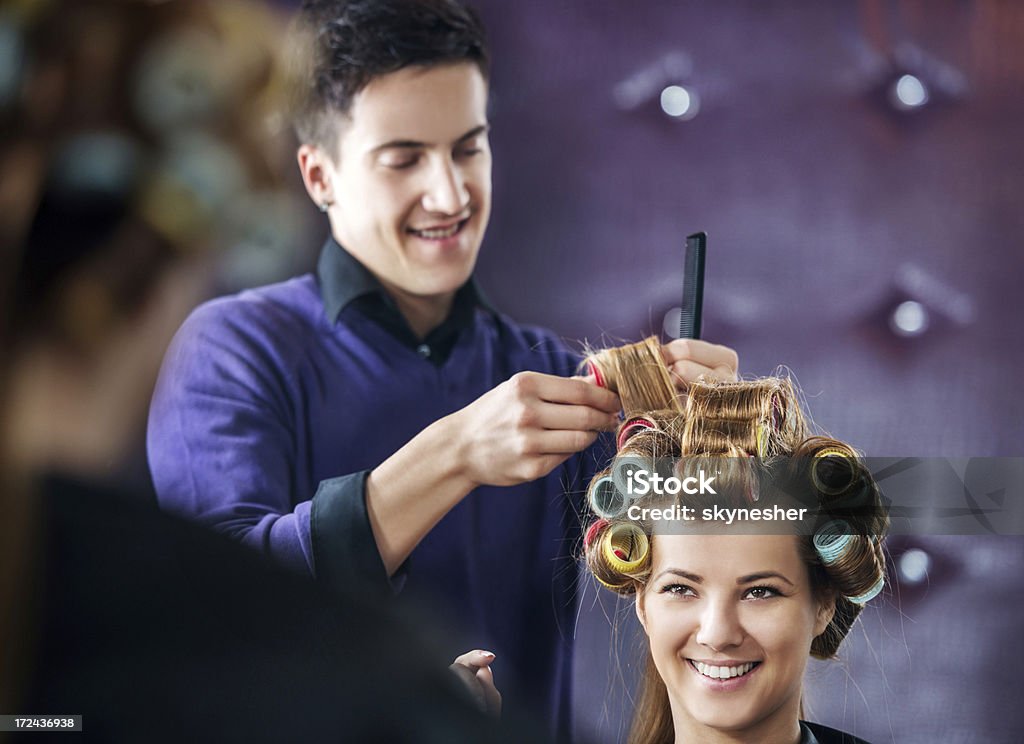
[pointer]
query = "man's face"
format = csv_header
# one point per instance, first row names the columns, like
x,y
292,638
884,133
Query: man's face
x,y
412,177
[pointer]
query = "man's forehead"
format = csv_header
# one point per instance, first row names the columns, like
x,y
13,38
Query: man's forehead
x,y
434,105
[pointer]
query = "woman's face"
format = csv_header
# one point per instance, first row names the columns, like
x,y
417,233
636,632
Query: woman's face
x,y
730,619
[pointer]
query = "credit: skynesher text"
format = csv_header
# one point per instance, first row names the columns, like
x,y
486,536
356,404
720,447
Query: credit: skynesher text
x,y
716,514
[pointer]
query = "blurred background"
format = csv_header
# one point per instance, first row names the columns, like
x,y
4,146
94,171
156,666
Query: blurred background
x,y
858,166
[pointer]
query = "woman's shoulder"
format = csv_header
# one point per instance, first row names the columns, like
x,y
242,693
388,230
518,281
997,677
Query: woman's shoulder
x,y
816,733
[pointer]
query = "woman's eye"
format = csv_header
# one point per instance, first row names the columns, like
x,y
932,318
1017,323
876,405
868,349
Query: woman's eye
x,y
762,592
678,590
468,152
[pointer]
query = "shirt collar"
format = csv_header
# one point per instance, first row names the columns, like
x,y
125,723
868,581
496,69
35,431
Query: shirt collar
x,y
343,280
806,735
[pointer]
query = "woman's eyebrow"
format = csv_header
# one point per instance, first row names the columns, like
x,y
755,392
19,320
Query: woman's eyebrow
x,y
684,574
760,576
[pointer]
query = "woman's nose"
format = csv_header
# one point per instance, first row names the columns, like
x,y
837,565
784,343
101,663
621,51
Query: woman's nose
x,y
720,626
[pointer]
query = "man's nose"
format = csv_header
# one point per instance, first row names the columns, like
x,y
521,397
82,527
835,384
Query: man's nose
x,y
720,626
446,191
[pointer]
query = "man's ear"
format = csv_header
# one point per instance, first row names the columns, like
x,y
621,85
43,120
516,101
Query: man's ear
x,y
638,605
317,170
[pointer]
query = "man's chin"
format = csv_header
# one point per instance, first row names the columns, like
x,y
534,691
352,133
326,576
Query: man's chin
x,y
440,277
428,290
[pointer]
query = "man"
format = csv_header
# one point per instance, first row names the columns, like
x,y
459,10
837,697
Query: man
x,y
379,422
149,627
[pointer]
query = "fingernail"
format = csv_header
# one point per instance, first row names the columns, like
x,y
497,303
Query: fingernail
x,y
486,654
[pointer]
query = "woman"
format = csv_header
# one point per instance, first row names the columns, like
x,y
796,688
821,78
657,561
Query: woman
x,y
733,602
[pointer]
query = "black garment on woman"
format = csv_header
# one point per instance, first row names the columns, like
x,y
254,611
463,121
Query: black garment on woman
x,y
815,733
157,630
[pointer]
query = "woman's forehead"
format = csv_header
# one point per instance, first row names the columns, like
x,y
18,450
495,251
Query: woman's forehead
x,y
725,556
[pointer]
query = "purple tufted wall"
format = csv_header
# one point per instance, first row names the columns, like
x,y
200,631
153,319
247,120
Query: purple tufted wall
x,y
826,209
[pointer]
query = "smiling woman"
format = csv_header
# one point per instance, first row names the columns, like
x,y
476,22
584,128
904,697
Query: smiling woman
x,y
732,612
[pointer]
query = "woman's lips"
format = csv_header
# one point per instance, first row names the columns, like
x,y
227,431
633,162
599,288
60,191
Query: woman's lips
x,y
724,677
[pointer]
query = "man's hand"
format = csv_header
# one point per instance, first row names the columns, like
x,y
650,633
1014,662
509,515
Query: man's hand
x,y
474,671
525,427
690,358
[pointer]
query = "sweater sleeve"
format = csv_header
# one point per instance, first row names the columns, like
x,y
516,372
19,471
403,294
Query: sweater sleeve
x,y
222,449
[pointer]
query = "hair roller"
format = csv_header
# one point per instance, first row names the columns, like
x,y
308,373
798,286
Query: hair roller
x,y
853,562
874,591
833,471
606,500
831,540
631,426
592,531
618,588
595,369
623,466
626,548
762,441
598,564
839,482
649,451
638,374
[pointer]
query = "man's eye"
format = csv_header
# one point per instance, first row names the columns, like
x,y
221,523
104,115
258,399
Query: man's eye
x,y
400,163
468,152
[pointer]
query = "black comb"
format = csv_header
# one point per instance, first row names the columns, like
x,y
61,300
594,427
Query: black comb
x,y
693,286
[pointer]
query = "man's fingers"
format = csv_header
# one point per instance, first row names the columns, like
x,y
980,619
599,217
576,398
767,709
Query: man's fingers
x,y
576,391
688,371
562,443
702,353
573,418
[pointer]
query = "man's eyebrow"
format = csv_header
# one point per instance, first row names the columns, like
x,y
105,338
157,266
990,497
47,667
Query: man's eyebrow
x,y
474,132
760,576
680,572
415,145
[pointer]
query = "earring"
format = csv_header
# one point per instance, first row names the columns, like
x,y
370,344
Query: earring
x,y
324,205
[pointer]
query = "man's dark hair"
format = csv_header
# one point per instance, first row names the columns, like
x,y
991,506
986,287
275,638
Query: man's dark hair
x,y
341,45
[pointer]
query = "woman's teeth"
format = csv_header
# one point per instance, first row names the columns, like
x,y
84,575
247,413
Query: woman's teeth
x,y
723,672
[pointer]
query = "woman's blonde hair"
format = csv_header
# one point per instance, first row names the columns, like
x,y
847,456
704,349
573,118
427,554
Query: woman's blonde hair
x,y
760,427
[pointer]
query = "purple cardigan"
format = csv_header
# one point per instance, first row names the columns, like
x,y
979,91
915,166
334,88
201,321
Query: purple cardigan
x,y
268,416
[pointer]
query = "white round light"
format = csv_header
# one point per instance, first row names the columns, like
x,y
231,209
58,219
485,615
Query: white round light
x,y
910,318
678,102
670,323
909,92
914,566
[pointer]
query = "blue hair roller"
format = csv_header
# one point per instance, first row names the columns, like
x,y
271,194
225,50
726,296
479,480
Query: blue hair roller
x,y
871,593
832,540
605,499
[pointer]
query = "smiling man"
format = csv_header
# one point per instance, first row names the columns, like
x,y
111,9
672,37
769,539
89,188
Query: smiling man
x,y
378,423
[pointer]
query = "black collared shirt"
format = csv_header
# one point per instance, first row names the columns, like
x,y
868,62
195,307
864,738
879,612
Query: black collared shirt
x,y
345,283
